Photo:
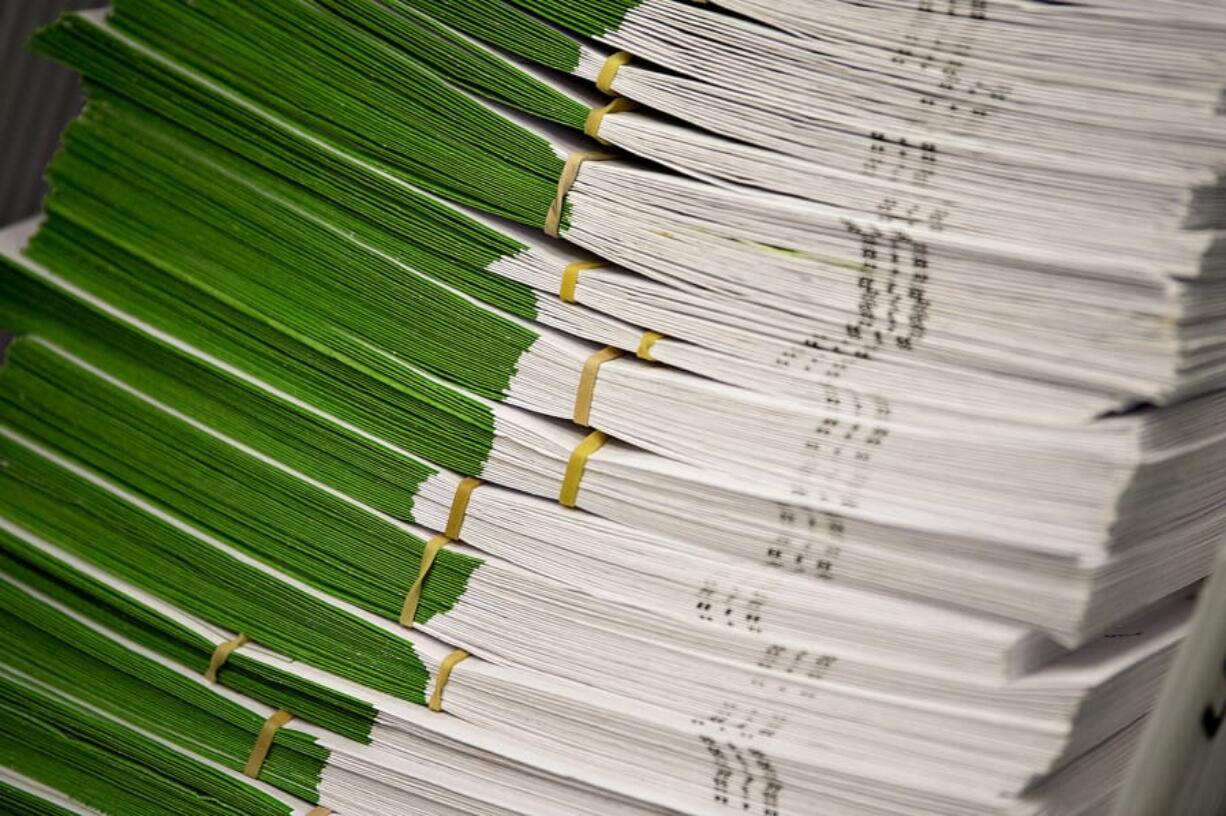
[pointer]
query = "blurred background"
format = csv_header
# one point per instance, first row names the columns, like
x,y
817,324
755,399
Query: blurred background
x,y
37,99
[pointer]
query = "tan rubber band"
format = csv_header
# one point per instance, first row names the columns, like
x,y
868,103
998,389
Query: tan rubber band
x,y
645,343
444,674
576,465
570,278
428,553
221,654
595,118
608,72
459,506
320,811
570,171
587,383
259,751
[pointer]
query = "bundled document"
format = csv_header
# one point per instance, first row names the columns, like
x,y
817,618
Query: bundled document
x,y
538,407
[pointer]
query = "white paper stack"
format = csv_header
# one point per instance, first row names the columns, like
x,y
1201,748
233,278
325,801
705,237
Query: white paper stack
x,y
850,438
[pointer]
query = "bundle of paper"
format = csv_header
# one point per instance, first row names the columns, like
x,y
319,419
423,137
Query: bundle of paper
x,y
857,300
825,685
814,721
24,795
63,755
857,450
49,644
893,486
598,739
911,110
901,508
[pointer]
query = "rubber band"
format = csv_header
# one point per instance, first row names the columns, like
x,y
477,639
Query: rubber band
x,y
459,506
595,118
263,742
645,343
570,278
608,72
221,654
444,674
587,383
570,171
428,553
320,811
576,465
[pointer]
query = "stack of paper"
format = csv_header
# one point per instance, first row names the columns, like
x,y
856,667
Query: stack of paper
x,y
901,509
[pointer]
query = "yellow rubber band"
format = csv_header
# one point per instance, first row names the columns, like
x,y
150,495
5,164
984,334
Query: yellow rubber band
x,y
259,751
428,553
587,383
645,343
444,674
221,654
570,172
459,506
608,72
595,118
570,278
576,465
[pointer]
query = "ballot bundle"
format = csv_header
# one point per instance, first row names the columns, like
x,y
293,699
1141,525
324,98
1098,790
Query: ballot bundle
x,y
642,407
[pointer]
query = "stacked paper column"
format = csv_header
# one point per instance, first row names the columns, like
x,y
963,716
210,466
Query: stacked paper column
x,y
771,407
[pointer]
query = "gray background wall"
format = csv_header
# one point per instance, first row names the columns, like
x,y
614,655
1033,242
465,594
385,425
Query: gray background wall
x,y
37,99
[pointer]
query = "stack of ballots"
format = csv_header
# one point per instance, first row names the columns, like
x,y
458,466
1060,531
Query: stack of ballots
x,y
769,407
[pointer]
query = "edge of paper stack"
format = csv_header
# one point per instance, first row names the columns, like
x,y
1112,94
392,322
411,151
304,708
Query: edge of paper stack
x,y
533,407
